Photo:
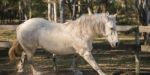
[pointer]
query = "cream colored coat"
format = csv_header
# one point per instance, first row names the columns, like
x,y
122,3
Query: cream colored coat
x,y
68,38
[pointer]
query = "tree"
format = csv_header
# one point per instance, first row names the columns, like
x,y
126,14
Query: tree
x,y
52,10
143,8
49,10
61,4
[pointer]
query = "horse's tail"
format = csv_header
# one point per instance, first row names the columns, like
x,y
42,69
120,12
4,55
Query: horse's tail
x,y
15,50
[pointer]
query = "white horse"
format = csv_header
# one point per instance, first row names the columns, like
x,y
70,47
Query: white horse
x,y
74,37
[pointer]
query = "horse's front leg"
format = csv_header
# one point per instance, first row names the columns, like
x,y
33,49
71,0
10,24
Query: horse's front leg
x,y
74,66
86,54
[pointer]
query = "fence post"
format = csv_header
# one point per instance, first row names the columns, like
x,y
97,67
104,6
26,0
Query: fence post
x,y
137,52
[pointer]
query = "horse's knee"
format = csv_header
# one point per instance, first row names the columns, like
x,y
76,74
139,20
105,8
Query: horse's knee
x,y
86,54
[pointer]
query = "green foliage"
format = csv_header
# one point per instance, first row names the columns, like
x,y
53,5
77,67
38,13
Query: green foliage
x,y
113,6
39,9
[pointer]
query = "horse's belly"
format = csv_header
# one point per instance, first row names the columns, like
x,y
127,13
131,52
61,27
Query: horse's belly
x,y
58,47
62,51
56,42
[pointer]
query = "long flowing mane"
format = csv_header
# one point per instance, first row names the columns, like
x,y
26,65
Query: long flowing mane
x,y
88,23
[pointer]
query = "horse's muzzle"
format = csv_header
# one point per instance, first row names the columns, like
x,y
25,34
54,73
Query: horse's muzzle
x,y
115,45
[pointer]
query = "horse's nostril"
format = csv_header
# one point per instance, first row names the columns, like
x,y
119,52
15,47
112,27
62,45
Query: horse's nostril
x,y
117,44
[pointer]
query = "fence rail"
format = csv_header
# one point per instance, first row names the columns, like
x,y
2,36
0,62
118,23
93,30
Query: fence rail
x,y
120,28
126,28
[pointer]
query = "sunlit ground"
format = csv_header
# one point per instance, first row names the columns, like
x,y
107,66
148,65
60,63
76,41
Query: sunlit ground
x,y
109,60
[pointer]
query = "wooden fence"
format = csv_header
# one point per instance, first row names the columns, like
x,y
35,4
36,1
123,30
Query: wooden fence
x,y
135,47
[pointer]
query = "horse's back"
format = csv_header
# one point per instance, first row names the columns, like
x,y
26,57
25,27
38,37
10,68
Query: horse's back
x,y
29,31
31,26
34,23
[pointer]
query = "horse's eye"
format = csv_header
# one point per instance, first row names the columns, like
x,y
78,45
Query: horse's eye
x,y
112,28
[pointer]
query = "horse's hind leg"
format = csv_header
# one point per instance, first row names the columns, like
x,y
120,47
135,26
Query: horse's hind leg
x,y
20,65
30,61
54,62
29,53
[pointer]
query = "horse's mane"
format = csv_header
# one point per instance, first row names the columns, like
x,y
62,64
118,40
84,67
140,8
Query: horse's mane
x,y
95,22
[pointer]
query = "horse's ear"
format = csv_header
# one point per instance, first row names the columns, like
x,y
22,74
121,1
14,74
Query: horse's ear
x,y
107,13
112,16
115,14
118,12
90,13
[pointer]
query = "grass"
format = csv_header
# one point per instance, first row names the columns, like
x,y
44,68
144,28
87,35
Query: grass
x,y
7,35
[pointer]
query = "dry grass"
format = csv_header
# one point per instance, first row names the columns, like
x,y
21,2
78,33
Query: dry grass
x,y
7,35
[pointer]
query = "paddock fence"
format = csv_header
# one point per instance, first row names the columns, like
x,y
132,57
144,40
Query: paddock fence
x,y
134,48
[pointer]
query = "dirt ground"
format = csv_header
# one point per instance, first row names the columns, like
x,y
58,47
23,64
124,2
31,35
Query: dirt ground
x,y
109,61
44,65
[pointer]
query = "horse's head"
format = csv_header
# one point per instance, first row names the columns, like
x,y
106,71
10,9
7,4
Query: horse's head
x,y
110,30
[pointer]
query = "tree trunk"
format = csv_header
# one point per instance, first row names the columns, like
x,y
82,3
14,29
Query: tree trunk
x,y
148,11
61,2
29,8
49,11
79,7
89,11
140,5
55,11
25,9
69,7
20,10
74,10
89,6
103,6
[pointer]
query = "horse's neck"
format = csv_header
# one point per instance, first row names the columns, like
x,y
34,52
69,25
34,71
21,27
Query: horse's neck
x,y
82,33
